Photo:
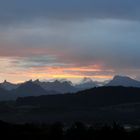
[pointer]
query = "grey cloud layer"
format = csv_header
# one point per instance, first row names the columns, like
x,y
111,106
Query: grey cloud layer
x,y
75,32
24,10
112,43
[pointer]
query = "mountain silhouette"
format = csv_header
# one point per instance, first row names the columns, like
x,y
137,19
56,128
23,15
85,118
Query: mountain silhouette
x,y
57,86
123,81
9,86
10,91
6,95
86,83
29,88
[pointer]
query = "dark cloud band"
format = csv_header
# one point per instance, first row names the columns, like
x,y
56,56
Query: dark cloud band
x,y
22,11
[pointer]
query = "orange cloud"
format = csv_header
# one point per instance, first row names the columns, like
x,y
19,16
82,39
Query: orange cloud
x,y
49,72
13,73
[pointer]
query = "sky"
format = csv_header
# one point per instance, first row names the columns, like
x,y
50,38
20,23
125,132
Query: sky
x,y
69,39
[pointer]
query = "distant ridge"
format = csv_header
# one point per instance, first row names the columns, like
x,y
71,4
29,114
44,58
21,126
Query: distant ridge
x,y
30,88
61,86
123,81
95,97
10,91
93,105
9,86
6,95
86,83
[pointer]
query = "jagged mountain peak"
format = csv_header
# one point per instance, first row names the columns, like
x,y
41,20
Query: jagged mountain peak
x,y
86,83
37,81
8,86
86,80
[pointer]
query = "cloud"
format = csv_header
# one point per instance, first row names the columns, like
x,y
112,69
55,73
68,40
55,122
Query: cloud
x,y
24,11
106,42
36,35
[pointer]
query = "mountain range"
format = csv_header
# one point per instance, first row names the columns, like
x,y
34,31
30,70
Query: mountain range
x,y
10,91
57,86
118,100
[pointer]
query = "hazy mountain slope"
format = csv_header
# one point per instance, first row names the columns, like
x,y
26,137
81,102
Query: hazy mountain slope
x,y
123,81
86,83
9,86
58,86
6,95
29,89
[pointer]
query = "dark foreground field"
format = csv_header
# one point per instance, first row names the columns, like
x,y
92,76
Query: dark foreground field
x,y
77,131
98,109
